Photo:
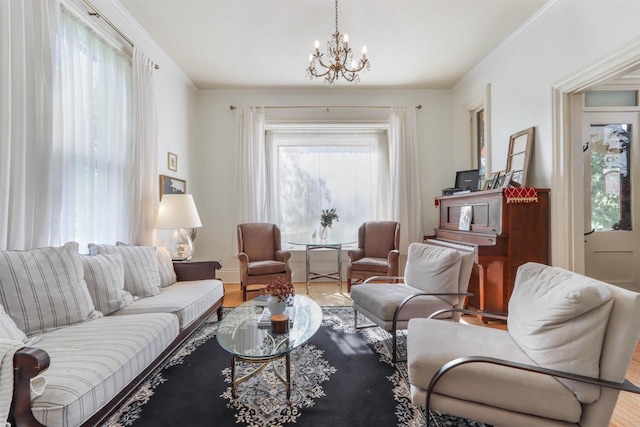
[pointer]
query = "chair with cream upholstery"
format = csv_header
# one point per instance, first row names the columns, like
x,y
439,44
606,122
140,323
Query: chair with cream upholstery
x,y
260,255
377,253
435,278
562,361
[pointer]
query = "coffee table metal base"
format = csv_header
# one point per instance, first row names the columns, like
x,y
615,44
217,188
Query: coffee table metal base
x,y
263,364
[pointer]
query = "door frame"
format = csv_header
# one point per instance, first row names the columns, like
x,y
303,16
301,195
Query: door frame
x,y
567,242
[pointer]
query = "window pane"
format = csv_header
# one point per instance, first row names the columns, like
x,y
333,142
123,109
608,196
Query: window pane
x,y
611,98
316,172
610,177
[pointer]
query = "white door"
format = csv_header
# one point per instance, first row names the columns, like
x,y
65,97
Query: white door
x,y
611,159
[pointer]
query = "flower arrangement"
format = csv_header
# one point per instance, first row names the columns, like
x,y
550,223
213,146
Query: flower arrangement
x,y
327,217
280,288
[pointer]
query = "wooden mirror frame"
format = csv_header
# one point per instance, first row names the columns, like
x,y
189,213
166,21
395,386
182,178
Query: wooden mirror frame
x,y
522,155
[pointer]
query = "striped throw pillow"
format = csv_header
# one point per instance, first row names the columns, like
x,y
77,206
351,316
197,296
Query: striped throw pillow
x,y
141,277
104,275
44,289
8,328
165,267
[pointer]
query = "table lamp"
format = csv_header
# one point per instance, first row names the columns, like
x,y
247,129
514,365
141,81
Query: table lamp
x,y
177,212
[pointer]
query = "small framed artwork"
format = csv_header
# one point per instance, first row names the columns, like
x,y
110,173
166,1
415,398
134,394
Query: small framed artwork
x,y
172,161
170,185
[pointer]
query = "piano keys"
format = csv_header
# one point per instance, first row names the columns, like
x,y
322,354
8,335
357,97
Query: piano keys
x,y
502,235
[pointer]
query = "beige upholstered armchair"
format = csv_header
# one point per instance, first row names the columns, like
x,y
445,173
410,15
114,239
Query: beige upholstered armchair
x,y
435,278
260,255
377,253
562,361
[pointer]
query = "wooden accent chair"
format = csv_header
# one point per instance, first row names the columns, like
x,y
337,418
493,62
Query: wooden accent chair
x,y
260,255
377,253
435,278
562,361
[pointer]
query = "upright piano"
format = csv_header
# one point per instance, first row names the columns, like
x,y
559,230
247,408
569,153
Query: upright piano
x,y
503,234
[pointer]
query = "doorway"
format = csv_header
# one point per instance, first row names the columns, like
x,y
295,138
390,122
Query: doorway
x,y
567,195
611,196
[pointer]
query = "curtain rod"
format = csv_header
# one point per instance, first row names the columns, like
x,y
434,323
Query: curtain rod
x,y
418,107
99,14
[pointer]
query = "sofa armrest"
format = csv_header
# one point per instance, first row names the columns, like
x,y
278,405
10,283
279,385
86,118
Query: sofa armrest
x,y
195,270
28,362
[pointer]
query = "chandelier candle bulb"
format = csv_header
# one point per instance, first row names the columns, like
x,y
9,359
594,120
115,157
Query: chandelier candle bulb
x,y
345,40
364,52
317,46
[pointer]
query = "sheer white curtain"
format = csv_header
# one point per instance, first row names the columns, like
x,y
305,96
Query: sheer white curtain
x,y
144,160
316,169
92,156
405,178
27,97
253,191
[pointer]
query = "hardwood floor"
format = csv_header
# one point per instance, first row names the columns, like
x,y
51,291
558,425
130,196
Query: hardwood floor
x,y
626,414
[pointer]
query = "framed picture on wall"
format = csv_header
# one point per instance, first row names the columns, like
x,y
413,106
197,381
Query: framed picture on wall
x,y
170,185
172,161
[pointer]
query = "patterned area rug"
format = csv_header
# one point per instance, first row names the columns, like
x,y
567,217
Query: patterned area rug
x,y
341,377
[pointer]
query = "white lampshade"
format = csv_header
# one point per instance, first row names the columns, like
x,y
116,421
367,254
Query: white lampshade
x,y
178,211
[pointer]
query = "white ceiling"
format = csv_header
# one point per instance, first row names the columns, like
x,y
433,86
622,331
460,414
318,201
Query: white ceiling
x,y
426,44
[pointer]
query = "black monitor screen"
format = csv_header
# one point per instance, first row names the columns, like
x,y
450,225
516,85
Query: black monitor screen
x,y
468,179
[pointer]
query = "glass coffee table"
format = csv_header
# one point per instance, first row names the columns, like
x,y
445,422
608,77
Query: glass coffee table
x,y
240,334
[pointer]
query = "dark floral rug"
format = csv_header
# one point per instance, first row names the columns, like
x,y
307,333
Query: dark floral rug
x,y
340,377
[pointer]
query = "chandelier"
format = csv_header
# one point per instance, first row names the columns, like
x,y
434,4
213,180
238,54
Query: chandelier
x,y
334,63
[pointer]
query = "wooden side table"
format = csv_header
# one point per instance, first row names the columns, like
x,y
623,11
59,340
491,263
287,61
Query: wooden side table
x,y
196,270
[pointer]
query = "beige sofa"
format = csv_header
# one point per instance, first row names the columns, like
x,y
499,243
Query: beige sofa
x,y
94,326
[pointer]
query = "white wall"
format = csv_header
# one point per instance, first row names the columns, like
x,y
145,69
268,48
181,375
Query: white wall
x,y
564,38
214,157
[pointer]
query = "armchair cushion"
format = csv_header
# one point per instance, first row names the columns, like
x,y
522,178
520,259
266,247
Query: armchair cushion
x,y
260,268
484,384
370,264
433,269
379,301
559,319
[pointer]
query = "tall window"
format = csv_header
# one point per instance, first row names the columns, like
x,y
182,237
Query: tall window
x,y
96,136
315,170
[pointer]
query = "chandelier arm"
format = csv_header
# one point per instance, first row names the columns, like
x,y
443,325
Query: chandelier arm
x,y
315,74
319,58
356,70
